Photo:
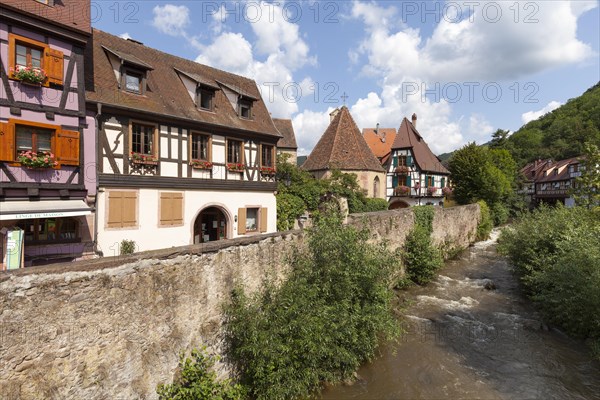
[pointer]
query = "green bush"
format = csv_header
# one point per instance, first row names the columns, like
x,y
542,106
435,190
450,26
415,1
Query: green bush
x,y
499,213
289,208
486,222
375,205
197,381
556,252
127,247
421,258
321,323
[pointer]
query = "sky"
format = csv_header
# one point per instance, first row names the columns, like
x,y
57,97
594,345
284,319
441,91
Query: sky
x,y
466,68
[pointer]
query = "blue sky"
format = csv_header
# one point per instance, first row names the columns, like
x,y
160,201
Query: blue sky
x,y
465,68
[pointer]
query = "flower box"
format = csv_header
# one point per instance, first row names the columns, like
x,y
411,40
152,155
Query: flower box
x,y
401,169
401,190
201,164
40,159
432,190
28,75
145,159
269,171
236,167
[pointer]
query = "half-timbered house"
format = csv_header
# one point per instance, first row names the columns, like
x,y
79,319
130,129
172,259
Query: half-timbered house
x,y
47,156
415,175
186,152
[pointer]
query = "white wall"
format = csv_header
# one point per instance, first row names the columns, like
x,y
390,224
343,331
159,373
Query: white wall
x,y
148,235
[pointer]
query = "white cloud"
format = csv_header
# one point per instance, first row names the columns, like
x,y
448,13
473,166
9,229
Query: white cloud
x,y
171,19
125,35
479,126
309,126
533,115
229,51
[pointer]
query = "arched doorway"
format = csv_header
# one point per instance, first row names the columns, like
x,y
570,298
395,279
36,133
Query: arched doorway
x,y
398,204
376,187
210,225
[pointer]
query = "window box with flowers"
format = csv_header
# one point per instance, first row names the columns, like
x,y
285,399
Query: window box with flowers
x,y
40,159
401,170
235,167
401,190
145,159
432,190
28,75
268,171
201,164
447,191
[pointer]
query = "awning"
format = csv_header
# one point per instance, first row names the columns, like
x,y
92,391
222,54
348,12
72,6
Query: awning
x,y
10,210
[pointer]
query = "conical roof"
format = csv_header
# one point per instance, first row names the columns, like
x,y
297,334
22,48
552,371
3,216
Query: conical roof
x,y
342,147
409,138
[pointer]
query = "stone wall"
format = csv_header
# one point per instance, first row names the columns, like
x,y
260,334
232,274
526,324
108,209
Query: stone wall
x,y
112,328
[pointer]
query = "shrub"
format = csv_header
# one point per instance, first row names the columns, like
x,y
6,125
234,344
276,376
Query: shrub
x,y
289,208
198,381
321,323
485,223
421,258
375,205
499,213
127,247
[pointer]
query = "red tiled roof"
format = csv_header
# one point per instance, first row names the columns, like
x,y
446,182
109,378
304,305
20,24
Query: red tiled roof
x,y
342,147
557,171
166,95
380,141
409,138
284,126
74,14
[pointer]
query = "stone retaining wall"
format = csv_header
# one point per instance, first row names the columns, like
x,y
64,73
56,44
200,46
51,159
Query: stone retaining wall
x,y
113,328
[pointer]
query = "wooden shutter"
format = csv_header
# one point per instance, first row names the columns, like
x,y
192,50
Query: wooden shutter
x,y
129,209
67,147
263,219
11,53
241,221
443,184
394,181
408,161
115,209
122,209
395,161
54,66
171,208
7,142
408,180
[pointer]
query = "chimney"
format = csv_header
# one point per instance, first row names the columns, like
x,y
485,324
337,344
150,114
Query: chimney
x,y
377,129
333,114
414,120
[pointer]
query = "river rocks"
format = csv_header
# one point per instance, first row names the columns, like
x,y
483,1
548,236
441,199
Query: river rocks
x,y
489,285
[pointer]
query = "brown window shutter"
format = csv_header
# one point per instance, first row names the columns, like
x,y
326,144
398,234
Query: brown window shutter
x,y
241,221
67,147
263,219
166,214
115,209
177,208
11,54
54,65
129,209
7,142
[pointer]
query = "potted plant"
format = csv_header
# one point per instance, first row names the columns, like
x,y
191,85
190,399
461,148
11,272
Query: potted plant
x,y
270,171
236,167
432,190
29,75
139,158
201,164
401,190
40,159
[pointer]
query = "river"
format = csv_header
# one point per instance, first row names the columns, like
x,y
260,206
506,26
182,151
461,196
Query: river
x,y
466,341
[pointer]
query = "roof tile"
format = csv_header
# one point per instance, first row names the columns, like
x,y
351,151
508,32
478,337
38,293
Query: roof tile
x,y
409,138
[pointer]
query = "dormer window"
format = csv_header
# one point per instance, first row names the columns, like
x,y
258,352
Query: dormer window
x,y
245,108
133,81
205,98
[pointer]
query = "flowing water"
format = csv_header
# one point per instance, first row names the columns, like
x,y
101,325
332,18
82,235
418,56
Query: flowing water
x,y
466,341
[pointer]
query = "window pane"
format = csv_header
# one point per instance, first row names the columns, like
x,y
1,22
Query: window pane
x,y
267,156
43,139
233,151
251,219
24,138
206,100
21,55
148,132
136,138
36,58
132,83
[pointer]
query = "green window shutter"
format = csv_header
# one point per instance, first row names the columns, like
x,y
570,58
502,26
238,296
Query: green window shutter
x,y
394,180
409,161
408,181
443,182
395,161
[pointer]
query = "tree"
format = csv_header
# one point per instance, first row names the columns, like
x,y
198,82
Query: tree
x,y
499,139
587,186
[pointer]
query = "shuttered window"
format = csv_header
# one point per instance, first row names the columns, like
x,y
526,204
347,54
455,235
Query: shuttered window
x,y
122,209
171,209
17,137
252,219
409,161
24,52
394,180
